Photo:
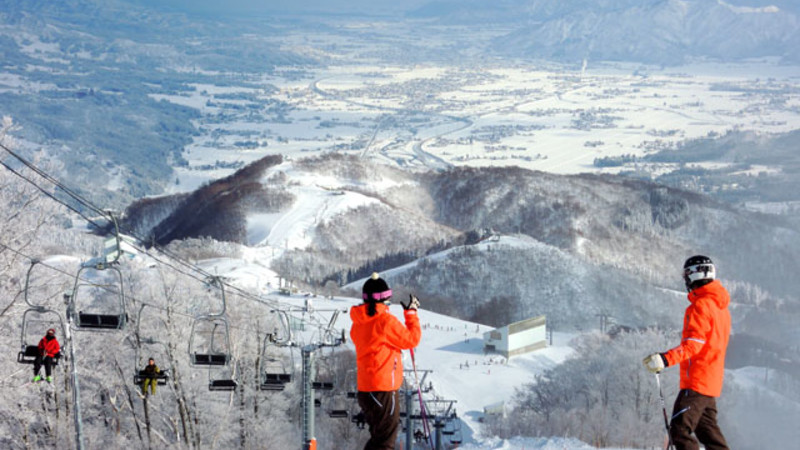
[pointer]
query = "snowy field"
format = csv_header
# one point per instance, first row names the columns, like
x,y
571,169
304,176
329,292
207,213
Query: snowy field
x,y
541,118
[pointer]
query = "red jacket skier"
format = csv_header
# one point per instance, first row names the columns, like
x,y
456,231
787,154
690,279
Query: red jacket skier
x,y
379,337
701,355
49,351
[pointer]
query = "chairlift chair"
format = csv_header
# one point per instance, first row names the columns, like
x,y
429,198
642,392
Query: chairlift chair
x,y
351,384
452,424
222,385
276,372
210,355
51,318
29,351
86,317
200,355
276,363
338,408
325,378
161,378
456,438
140,375
225,384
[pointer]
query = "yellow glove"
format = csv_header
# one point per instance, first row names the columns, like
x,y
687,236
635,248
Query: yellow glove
x,y
655,363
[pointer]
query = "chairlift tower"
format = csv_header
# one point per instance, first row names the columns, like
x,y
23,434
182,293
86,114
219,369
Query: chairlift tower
x,y
443,413
409,392
327,339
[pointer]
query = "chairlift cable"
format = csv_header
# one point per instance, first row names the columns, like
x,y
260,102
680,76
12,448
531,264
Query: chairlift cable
x,y
48,194
95,208
142,302
247,295
55,182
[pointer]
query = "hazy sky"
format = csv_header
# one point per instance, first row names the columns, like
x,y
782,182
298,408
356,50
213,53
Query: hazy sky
x,y
371,7
293,6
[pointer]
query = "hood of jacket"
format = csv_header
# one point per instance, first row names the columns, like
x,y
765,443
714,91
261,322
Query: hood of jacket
x,y
713,292
358,314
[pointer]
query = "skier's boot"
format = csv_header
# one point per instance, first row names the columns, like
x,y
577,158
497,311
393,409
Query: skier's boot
x,y
37,378
49,379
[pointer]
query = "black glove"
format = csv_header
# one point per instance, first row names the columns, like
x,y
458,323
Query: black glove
x,y
57,355
413,303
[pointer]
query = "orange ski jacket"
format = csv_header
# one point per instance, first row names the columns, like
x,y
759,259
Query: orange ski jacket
x,y
379,340
49,347
706,330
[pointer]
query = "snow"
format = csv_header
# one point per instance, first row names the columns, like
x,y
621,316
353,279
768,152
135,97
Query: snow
x,y
315,203
528,443
439,116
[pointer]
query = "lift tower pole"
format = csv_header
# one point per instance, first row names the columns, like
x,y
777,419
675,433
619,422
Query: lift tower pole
x,y
76,391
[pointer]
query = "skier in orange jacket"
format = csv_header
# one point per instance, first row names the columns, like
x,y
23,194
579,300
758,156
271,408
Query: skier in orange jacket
x,y
701,355
379,337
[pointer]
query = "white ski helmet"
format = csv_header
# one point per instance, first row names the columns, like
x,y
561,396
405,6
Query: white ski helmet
x,y
698,271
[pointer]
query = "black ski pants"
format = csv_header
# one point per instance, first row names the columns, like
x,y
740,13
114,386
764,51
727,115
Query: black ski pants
x,y
48,365
695,412
382,414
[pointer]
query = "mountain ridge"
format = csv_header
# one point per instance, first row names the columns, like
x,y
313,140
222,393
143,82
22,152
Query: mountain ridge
x,y
615,240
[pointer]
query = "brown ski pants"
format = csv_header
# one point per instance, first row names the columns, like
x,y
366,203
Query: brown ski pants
x,y
382,414
695,412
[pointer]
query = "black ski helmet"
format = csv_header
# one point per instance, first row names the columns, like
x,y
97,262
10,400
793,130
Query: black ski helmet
x,y
698,271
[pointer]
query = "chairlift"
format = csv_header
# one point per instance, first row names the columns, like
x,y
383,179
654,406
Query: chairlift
x,y
209,355
226,384
276,363
36,314
222,385
325,377
457,437
103,284
338,409
205,352
351,384
140,375
276,371
161,378
215,326
452,424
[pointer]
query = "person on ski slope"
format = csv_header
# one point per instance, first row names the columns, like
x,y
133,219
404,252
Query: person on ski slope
x,y
701,355
49,351
379,337
150,376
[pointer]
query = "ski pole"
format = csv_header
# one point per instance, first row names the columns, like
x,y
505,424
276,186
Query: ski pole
x,y
425,425
664,409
